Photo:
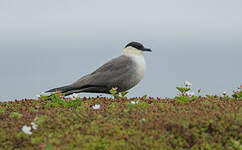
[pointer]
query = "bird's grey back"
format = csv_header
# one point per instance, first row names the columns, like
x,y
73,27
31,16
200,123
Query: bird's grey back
x,y
119,72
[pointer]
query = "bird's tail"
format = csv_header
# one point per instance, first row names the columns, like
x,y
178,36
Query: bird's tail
x,y
62,89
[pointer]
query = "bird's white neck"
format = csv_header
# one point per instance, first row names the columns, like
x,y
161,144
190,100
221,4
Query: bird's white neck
x,y
132,51
138,59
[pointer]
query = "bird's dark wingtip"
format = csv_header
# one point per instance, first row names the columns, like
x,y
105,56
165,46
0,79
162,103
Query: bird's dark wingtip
x,y
59,89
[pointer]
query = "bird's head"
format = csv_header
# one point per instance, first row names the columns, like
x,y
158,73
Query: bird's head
x,y
135,48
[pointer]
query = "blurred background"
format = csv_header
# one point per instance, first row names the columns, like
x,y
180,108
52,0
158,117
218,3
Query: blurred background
x,y
50,43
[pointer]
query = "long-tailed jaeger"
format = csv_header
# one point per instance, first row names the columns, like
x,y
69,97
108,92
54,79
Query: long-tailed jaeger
x,y
123,72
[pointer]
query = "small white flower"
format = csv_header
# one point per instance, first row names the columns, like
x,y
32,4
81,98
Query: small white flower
x,y
26,130
224,93
143,119
42,94
135,102
190,94
97,106
73,96
34,126
187,84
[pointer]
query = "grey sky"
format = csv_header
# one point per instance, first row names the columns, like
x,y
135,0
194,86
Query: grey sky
x,y
44,44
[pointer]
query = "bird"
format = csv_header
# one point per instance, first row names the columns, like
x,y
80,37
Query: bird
x,y
122,73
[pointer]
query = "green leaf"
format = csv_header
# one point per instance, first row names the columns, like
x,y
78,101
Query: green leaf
x,y
182,99
2,110
237,95
112,91
15,115
144,97
44,97
49,147
187,89
124,93
41,119
209,96
182,90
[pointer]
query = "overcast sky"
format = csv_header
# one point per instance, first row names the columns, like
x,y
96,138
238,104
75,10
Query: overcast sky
x,y
49,43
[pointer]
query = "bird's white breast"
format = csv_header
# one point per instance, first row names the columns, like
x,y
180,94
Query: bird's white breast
x,y
140,65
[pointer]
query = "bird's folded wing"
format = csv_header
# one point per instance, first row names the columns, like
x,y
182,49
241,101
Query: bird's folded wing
x,y
107,74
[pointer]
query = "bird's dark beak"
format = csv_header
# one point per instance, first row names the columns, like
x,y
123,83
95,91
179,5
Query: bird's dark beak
x,y
147,49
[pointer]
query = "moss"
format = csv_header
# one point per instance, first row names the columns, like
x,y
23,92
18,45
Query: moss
x,y
203,123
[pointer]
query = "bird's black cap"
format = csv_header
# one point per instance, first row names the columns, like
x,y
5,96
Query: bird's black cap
x,y
138,46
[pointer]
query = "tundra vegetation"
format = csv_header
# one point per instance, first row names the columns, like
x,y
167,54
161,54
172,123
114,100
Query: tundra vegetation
x,y
187,121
